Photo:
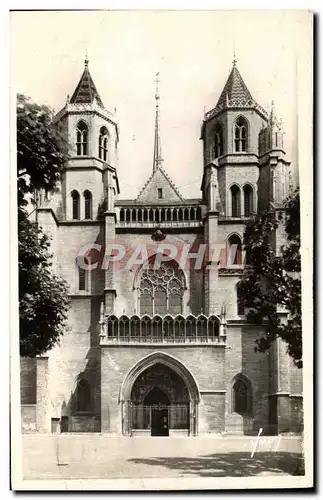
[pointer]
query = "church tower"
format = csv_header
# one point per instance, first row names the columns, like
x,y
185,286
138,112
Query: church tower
x,y
230,143
90,178
230,135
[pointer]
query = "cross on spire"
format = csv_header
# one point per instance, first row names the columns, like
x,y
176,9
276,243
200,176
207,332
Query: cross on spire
x,y
234,62
86,60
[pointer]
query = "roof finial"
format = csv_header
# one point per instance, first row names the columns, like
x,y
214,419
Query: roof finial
x,y
86,61
234,62
157,81
272,112
157,146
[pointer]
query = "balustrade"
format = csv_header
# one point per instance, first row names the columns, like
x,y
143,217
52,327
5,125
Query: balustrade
x,y
157,329
161,215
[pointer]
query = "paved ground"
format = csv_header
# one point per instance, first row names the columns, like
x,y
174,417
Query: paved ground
x,y
91,457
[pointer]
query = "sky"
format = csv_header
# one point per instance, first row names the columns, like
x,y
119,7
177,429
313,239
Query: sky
x,y
192,51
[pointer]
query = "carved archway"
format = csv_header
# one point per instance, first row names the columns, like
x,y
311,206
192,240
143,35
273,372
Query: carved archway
x,y
173,364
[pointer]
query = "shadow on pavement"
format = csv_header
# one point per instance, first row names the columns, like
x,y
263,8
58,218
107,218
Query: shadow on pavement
x,y
231,464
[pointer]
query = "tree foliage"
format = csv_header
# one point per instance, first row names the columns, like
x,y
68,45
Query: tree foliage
x,y
272,285
43,295
42,148
43,299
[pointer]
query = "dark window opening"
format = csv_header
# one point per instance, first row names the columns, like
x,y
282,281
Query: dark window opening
x,y
82,279
83,397
248,201
75,205
87,205
235,201
234,250
241,396
103,144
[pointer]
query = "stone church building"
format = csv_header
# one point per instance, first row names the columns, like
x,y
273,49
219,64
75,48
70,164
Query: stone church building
x,y
157,342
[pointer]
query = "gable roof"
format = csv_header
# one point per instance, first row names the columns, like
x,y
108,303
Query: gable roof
x,y
86,91
158,179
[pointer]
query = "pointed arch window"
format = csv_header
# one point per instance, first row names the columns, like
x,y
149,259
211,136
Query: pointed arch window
x,y
161,290
240,135
83,397
82,139
103,144
218,141
75,205
84,276
241,395
87,204
248,200
235,201
234,250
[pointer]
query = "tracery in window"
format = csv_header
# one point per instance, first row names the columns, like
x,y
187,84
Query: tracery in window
x,y
81,139
161,290
240,135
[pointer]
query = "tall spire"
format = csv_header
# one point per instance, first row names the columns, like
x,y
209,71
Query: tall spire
x,y
157,145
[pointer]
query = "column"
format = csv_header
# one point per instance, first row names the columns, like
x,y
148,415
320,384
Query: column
x,y
109,288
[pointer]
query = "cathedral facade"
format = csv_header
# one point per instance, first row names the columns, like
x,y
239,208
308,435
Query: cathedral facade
x,y
157,342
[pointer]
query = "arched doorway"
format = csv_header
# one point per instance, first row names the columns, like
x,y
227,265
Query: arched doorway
x,y
159,397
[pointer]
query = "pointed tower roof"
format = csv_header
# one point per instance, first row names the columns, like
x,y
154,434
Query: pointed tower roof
x,y
235,94
235,89
86,91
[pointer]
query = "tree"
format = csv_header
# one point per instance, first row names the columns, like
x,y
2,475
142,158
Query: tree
x,y
42,149
43,299
43,295
273,281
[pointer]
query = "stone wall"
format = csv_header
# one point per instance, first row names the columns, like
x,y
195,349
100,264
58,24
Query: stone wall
x,y
206,364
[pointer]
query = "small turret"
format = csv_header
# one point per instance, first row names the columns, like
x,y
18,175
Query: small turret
x,y
274,182
271,137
